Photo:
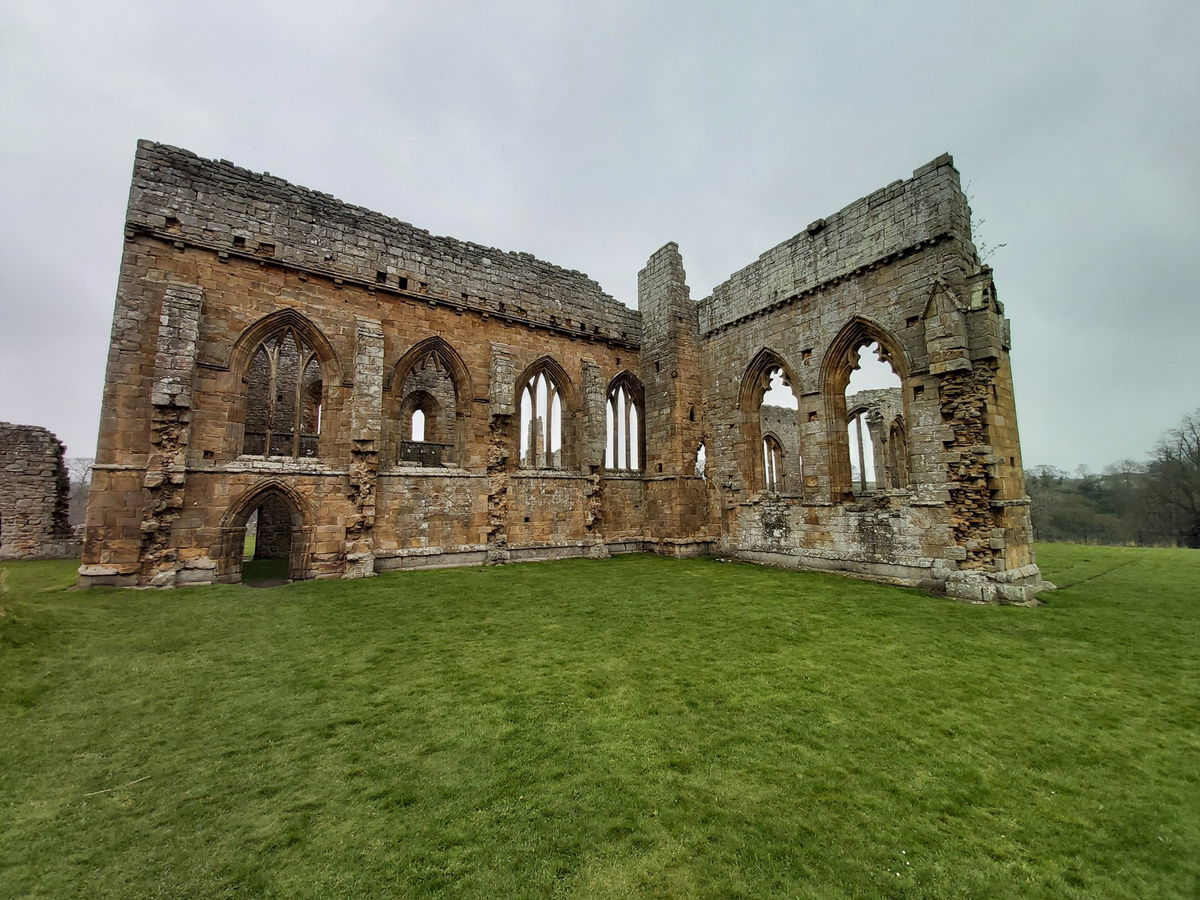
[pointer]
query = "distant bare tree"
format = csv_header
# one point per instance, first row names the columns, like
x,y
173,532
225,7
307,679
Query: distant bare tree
x,y
1175,477
79,470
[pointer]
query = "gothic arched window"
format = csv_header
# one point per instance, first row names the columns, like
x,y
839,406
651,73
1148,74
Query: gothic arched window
x,y
425,404
863,374
284,391
541,422
872,389
624,448
771,417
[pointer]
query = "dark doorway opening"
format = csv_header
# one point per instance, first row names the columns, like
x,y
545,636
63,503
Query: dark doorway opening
x,y
267,549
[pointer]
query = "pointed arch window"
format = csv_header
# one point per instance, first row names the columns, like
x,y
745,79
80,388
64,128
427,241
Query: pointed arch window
x,y
285,391
865,375
427,418
872,389
771,417
624,448
541,422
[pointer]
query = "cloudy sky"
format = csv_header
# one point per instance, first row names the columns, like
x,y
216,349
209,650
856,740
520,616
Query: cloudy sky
x,y
591,134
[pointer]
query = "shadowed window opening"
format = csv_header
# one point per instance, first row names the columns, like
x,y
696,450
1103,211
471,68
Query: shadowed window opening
x,y
428,412
897,450
284,395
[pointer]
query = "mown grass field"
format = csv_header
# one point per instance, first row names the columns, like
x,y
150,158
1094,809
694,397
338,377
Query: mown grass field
x,y
636,726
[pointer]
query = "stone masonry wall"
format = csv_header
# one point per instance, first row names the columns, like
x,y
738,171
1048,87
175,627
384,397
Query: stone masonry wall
x,y
880,227
34,490
896,268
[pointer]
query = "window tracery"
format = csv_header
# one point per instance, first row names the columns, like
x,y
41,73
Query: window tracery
x,y
863,374
541,422
430,381
625,444
284,391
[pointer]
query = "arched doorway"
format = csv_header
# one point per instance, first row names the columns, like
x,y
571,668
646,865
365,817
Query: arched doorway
x,y
264,538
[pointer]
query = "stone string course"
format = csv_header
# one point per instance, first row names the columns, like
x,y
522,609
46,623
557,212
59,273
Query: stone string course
x,y
216,257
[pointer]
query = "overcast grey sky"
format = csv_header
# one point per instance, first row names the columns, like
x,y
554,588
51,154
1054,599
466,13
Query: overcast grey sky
x,y
591,134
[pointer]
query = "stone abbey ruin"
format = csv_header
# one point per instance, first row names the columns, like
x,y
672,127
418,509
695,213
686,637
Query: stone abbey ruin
x,y
368,396
34,495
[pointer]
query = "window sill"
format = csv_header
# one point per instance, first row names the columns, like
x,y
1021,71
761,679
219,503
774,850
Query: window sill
x,y
547,473
277,464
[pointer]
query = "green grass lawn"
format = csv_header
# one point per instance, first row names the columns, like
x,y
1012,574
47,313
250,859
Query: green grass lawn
x,y
604,728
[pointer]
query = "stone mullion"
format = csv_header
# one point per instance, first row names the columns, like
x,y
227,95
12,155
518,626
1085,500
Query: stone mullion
x,y
627,460
548,424
272,382
537,425
611,438
298,398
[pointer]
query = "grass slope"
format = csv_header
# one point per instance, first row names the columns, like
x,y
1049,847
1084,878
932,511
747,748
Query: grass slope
x,y
604,728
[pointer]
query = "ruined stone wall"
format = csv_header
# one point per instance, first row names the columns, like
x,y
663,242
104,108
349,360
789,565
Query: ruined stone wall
x,y
884,226
231,210
171,464
34,491
898,268
218,260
